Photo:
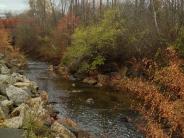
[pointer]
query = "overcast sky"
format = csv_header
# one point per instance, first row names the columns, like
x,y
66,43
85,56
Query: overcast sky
x,y
13,5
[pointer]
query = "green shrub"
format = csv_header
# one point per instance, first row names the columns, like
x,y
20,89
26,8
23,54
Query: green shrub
x,y
92,45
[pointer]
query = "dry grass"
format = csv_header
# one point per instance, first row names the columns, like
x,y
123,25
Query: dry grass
x,y
158,107
165,117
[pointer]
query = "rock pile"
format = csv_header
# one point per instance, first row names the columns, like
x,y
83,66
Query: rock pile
x,y
24,106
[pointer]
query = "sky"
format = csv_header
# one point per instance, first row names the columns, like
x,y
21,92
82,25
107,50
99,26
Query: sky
x,y
13,5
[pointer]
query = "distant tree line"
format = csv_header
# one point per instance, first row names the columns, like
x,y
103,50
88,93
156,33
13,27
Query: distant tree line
x,y
118,30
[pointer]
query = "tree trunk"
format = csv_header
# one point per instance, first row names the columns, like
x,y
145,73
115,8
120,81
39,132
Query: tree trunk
x,y
155,16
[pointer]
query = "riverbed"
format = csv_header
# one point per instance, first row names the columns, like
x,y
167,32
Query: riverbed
x,y
102,112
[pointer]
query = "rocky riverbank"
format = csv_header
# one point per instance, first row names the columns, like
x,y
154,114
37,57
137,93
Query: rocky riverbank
x,y
24,106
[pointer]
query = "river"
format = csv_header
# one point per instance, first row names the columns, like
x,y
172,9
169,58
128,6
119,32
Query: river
x,y
105,118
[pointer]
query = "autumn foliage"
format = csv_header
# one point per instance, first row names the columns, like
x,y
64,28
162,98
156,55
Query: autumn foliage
x,y
8,23
4,41
64,30
7,50
164,114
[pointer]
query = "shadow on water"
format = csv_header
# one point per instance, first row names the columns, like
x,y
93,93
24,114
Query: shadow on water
x,y
100,111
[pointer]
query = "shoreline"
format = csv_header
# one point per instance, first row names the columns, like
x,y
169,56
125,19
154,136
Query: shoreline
x,y
161,108
24,106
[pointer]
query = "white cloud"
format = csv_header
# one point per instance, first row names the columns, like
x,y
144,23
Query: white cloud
x,y
13,5
2,6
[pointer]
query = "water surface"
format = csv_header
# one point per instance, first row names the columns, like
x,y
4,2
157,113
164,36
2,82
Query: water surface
x,y
106,117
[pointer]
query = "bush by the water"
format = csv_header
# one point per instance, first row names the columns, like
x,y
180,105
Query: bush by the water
x,y
93,45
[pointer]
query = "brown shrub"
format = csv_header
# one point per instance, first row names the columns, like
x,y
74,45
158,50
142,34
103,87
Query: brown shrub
x,y
157,106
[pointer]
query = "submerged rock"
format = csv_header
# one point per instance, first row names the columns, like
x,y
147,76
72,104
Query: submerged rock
x,y
90,101
90,81
125,119
73,84
99,85
61,131
17,95
50,68
76,91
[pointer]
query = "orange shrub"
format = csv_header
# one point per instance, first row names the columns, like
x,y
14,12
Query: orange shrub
x,y
63,32
156,105
172,77
4,41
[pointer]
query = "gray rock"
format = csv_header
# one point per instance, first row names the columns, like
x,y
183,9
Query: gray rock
x,y
61,131
15,122
90,101
4,78
29,86
2,98
6,106
2,114
73,85
7,103
99,85
72,78
4,81
16,77
17,95
20,110
90,81
4,69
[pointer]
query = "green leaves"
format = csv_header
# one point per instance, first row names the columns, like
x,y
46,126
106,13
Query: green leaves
x,y
93,44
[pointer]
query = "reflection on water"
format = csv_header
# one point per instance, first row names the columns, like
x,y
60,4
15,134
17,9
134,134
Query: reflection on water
x,y
106,117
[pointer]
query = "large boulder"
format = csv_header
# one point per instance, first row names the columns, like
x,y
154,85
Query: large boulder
x,y
28,86
20,110
32,112
15,122
4,78
61,131
6,105
17,95
16,77
4,81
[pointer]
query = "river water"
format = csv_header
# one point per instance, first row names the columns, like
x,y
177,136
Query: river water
x,y
105,117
